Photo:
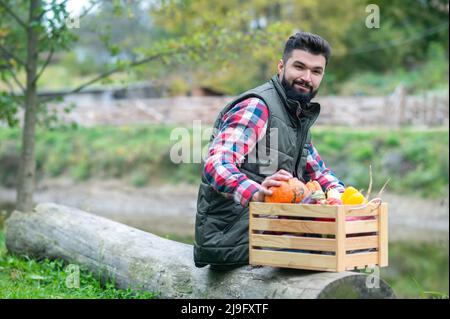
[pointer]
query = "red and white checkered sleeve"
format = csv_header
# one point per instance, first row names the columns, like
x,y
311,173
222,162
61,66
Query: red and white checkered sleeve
x,y
241,128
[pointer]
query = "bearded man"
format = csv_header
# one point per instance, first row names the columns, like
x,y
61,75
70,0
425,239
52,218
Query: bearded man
x,y
233,175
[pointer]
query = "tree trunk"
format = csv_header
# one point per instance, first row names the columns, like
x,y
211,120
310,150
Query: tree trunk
x,y
27,166
140,260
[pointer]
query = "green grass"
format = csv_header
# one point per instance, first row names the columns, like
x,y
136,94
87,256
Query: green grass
x,y
417,161
27,278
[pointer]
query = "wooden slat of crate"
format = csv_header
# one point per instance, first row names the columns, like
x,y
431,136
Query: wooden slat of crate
x,y
293,226
340,239
351,211
361,259
293,242
363,242
292,260
361,226
293,210
383,235
250,230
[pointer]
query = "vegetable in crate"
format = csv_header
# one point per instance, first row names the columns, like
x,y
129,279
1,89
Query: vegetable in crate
x,y
316,196
334,197
290,191
352,196
314,186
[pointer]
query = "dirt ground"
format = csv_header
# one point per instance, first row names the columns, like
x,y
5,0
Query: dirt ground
x,y
170,209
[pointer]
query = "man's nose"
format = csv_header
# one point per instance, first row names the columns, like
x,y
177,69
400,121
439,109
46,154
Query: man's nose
x,y
306,76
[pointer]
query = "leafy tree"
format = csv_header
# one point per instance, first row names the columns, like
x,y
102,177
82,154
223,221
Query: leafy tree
x,y
27,43
405,37
250,65
32,31
408,31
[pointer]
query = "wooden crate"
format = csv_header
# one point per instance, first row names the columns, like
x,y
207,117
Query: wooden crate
x,y
289,235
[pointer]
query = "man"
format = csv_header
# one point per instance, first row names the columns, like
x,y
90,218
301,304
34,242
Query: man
x,y
231,179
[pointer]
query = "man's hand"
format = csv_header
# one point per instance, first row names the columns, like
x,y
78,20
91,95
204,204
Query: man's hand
x,y
273,180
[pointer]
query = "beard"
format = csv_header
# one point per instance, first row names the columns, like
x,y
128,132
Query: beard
x,y
293,94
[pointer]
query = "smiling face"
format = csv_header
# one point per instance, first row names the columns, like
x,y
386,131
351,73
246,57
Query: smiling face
x,y
301,74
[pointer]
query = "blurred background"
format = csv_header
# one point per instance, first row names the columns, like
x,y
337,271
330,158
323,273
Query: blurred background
x,y
154,66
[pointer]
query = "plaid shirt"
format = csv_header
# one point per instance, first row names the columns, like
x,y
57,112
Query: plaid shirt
x,y
239,131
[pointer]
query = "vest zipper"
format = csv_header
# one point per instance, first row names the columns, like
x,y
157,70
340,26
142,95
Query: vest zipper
x,y
303,140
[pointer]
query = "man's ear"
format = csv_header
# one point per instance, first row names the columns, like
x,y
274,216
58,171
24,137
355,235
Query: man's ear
x,y
280,66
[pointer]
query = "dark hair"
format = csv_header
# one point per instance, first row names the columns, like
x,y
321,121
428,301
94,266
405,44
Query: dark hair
x,y
309,42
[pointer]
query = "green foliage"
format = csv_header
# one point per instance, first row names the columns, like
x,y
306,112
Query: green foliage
x,y
8,108
48,21
139,178
80,170
364,152
392,140
364,61
408,34
206,43
416,161
247,37
121,44
434,69
27,278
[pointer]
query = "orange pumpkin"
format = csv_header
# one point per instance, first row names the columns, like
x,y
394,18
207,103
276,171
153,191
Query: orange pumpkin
x,y
290,191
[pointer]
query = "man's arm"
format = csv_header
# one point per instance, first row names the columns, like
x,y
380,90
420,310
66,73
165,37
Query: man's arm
x,y
241,128
316,170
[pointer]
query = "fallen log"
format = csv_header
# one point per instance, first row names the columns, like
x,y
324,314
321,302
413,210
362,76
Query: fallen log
x,y
143,261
